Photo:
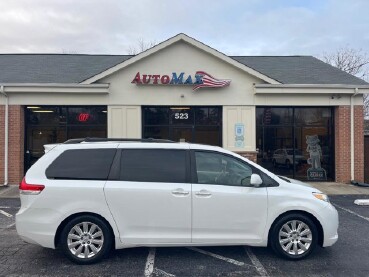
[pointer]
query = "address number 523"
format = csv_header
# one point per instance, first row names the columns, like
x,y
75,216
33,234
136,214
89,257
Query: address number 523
x,y
181,116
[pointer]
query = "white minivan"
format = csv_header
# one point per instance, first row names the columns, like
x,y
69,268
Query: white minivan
x,y
88,196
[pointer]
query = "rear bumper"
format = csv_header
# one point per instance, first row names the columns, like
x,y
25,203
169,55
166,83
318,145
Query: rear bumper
x,y
37,226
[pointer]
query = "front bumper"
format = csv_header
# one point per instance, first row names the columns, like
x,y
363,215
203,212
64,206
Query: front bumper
x,y
329,221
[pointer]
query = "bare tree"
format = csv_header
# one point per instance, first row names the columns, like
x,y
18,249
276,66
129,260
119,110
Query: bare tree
x,y
352,61
140,46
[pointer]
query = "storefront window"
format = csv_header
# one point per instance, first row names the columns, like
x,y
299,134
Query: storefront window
x,y
56,124
296,142
191,124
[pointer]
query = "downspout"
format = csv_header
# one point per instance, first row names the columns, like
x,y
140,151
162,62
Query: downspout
x,y
352,134
6,135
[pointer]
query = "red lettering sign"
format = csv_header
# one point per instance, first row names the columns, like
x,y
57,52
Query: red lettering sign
x,y
83,117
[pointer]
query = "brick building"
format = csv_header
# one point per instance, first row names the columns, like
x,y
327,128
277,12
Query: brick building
x,y
295,115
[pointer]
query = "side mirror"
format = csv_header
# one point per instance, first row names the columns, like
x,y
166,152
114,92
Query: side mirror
x,y
256,180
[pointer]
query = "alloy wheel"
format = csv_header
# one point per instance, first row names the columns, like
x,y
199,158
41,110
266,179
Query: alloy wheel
x,y
295,237
85,240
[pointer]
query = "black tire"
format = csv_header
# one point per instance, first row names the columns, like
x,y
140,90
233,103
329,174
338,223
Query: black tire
x,y
274,163
102,243
274,239
288,164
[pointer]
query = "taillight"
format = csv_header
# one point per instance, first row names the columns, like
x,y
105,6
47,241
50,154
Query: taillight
x,y
25,188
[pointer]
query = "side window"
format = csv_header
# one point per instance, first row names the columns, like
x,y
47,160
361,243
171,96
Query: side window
x,y
82,164
219,169
153,165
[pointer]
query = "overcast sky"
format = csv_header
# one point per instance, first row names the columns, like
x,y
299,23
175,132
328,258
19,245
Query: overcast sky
x,y
234,27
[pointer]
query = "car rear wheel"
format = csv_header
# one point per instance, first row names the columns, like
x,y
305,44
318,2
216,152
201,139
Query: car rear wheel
x,y
288,163
274,163
294,236
86,239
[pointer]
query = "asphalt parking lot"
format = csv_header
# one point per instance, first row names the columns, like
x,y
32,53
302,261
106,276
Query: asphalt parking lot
x,y
348,257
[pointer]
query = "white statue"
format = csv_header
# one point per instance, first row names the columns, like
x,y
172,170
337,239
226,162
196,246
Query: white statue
x,y
314,150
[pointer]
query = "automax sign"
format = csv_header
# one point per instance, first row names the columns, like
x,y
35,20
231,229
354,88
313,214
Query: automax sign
x,y
201,79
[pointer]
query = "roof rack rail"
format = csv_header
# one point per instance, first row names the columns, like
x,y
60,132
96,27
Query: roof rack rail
x,y
88,139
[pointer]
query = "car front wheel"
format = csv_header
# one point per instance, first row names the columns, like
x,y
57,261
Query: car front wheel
x,y
294,236
86,239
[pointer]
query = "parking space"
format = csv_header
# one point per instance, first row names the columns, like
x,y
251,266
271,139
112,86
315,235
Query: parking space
x,y
348,257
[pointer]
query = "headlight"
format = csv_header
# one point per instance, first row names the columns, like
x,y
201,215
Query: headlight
x,y
321,196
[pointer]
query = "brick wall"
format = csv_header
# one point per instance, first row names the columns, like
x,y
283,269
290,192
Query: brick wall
x,y
366,159
2,117
343,144
359,143
252,156
16,144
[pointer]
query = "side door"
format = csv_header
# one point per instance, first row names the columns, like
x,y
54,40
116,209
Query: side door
x,y
149,196
225,208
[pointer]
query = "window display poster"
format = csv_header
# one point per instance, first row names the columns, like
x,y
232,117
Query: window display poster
x,y
239,129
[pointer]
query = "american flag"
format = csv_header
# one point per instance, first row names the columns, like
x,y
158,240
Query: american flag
x,y
210,82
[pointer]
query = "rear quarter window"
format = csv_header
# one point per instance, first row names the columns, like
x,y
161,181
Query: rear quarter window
x,y
82,164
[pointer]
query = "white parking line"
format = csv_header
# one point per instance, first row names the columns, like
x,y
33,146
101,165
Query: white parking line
x,y
10,226
149,267
5,213
159,272
228,260
351,212
255,261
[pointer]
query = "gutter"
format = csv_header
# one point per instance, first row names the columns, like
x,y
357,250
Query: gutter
x,y
352,138
6,135
332,86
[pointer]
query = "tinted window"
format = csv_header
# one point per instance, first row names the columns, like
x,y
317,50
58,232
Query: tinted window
x,y
153,165
214,168
82,164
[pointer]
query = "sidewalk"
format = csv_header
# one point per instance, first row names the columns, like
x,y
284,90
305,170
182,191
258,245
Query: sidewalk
x,y
330,188
11,191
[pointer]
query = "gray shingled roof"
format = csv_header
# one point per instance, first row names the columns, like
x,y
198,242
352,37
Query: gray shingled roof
x,y
299,70
53,68
75,68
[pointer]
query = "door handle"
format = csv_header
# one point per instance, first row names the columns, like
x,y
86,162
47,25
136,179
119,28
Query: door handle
x,y
180,192
203,193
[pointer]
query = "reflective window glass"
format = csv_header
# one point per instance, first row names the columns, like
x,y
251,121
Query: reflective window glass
x,y
302,148
87,115
181,116
207,135
207,116
191,124
153,165
157,132
82,164
56,124
313,116
274,116
219,169
45,115
156,116
86,131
